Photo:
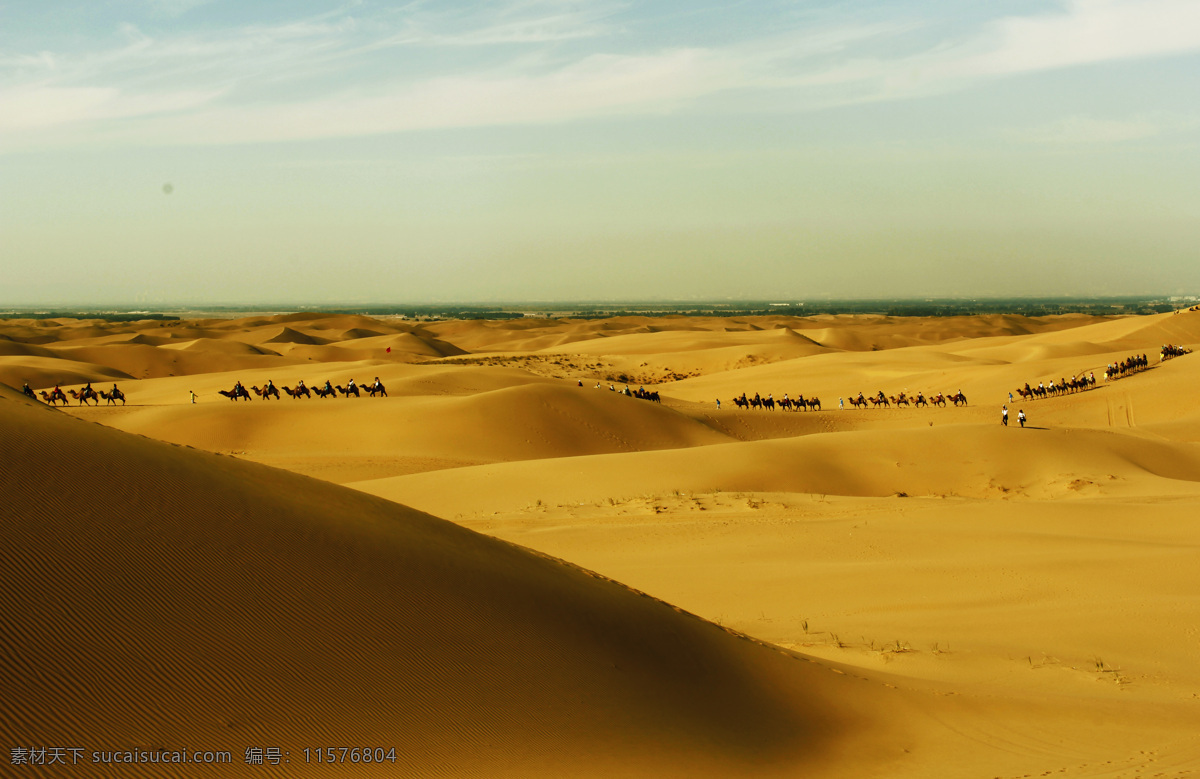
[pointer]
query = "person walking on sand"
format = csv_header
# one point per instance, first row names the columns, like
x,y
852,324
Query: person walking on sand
x,y
1004,416
1010,397
193,395
841,404
718,404
1021,418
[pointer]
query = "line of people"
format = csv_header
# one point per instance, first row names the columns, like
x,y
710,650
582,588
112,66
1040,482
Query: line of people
x,y
269,390
640,392
83,395
1065,385
1117,370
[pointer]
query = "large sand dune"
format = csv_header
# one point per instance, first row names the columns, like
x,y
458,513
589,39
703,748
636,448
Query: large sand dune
x,y
963,599
162,598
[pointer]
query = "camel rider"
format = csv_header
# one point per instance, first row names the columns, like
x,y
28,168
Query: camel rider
x,y
378,384
328,387
115,391
300,384
350,386
270,386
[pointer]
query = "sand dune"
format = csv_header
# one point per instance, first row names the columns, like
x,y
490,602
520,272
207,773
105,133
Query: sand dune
x,y
287,335
964,599
9,348
406,343
939,462
254,607
48,371
530,421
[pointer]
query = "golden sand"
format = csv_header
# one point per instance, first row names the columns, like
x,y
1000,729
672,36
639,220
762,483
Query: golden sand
x,y
616,587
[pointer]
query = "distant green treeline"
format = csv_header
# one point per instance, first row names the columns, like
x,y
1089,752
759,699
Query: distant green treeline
x,y
594,310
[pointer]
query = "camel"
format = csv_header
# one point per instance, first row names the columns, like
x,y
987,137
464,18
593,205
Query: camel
x,y
53,397
84,396
266,393
298,392
235,393
881,401
324,393
113,397
352,390
859,401
376,388
958,398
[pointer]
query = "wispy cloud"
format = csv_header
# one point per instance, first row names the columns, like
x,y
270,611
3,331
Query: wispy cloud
x,y
596,86
355,71
522,22
1081,32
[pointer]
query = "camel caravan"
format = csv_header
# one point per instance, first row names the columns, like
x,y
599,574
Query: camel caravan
x,y
1171,350
301,390
640,392
878,400
1063,387
786,404
1113,371
84,396
1126,367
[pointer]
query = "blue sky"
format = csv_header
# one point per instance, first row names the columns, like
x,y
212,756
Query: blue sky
x,y
546,149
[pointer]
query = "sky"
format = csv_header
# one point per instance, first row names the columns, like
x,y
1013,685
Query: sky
x,y
173,152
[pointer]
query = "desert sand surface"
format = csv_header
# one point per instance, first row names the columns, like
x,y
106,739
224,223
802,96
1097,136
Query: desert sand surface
x,y
503,567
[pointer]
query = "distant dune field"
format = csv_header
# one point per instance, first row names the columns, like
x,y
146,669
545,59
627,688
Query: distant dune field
x,y
506,566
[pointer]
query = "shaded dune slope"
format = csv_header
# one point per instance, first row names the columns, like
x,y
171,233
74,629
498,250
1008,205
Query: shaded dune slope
x,y
154,597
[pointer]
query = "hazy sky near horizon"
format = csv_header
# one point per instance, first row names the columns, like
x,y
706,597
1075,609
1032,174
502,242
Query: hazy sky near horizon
x,y
208,151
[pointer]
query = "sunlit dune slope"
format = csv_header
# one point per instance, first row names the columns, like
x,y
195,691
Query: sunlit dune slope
x,y
39,371
405,343
155,597
526,421
143,361
984,367
962,460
